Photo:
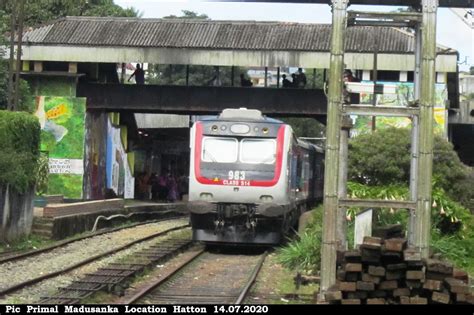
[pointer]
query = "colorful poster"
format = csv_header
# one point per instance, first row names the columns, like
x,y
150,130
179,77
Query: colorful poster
x,y
119,176
399,94
62,138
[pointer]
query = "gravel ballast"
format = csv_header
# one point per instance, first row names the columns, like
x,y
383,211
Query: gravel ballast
x,y
12,273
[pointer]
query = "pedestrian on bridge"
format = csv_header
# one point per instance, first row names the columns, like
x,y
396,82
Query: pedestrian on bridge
x,y
286,83
244,81
139,75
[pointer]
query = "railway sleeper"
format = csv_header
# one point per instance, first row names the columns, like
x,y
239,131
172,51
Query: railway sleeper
x,y
115,277
84,286
59,300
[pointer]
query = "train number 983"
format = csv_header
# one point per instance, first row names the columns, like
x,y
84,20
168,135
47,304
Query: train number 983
x,y
237,175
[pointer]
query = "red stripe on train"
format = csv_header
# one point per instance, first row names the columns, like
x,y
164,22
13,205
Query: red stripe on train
x,y
225,182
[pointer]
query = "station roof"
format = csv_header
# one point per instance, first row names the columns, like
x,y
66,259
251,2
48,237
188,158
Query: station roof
x,y
209,34
208,42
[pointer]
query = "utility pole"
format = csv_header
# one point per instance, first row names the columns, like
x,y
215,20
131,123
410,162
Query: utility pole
x,y
21,14
10,98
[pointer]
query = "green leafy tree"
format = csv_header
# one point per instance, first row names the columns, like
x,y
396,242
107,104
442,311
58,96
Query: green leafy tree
x,y
188,15
4,67
383,158
471,71
41,11
306,127
38,12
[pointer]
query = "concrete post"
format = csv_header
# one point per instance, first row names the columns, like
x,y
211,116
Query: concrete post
x,y
278,77
21,16
331,173
427,100
232,70
415,135
187,75
123,72
314,78
341,225
11,66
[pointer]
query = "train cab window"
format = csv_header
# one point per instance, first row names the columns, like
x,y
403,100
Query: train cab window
x,y
258,151
220,150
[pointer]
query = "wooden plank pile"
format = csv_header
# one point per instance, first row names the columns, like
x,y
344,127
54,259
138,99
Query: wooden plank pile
x,y
384,271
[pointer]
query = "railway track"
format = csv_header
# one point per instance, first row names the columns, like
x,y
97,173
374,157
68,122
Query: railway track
x,y
24,284
15,255
204,278
115,276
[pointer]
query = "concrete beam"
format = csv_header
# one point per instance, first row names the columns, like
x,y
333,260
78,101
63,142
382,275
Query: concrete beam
x,y
215,57
373,203
198,100
368,110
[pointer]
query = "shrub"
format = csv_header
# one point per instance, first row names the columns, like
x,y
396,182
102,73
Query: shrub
x,y
446,214
19,143
382,158
304,253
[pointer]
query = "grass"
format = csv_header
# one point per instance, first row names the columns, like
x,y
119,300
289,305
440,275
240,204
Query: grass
x,y
98,298
458,248
26,243
276,285
304,253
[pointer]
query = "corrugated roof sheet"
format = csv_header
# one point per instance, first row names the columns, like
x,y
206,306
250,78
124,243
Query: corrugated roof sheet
x,y
204,34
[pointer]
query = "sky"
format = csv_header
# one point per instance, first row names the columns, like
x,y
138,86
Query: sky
x,y
451,32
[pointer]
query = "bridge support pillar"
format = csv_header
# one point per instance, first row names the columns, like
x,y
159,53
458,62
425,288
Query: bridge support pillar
x,y
95,153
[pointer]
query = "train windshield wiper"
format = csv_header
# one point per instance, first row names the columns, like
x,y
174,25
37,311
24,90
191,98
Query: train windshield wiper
x,y
209,155
269,158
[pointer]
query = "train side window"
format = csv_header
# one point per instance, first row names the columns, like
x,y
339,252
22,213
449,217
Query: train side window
x,y
219,150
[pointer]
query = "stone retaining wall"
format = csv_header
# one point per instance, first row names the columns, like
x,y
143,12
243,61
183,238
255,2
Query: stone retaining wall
x,y
69,225
16,213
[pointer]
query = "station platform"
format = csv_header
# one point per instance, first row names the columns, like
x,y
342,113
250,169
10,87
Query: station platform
x,y
59,219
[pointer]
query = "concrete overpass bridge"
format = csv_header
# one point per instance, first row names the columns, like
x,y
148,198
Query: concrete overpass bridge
x,y
84,46
202,100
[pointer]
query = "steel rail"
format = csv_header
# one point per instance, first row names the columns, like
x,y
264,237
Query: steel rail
x,y
252,279
143,292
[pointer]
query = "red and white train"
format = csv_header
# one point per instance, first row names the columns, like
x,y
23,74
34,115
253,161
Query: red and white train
x,y
250,178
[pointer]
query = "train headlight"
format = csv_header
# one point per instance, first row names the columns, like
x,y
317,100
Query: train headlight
x,y
206,196
240,128
266,198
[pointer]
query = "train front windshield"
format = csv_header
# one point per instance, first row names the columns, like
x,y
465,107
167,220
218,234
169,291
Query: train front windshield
x,y
228,158
230,150
220,150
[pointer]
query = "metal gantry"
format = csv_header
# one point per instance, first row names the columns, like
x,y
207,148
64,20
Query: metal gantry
x,y
423,20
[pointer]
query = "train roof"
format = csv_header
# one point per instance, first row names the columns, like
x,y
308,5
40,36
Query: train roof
x,y
310,146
